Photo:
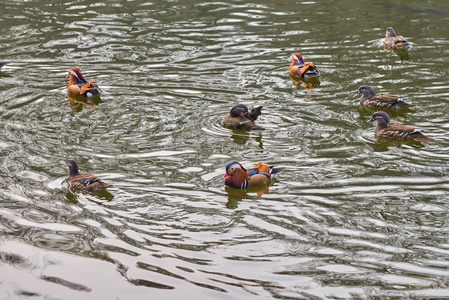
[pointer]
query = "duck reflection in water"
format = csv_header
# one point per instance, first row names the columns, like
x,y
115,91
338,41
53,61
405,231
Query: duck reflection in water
x,y
236,195
77,103
99,196
241,137
309,83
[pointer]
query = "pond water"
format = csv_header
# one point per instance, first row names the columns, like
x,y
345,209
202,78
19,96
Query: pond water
x,y
351,216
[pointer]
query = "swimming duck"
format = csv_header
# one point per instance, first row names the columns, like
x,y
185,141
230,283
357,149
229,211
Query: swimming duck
x,y
241,118
80,181
300,68
238,177
396,131
78,86
369,98
393,41
3,63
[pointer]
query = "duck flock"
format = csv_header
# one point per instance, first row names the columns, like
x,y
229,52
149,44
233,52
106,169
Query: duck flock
x,y
241,118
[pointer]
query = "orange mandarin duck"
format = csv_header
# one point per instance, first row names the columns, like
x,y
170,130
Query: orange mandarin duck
x,y
3,63
369,98
241,118
396,131
300,68
393,41
78,86
79,181
238,177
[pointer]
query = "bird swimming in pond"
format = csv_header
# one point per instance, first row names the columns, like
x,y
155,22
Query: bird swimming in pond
x,y
369,98
396,131
393,41
78,86
239,178
81,181
300,68
3,63
241,118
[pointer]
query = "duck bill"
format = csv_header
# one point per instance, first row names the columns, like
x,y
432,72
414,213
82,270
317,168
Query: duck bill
x,y
370,120
356,93
226,175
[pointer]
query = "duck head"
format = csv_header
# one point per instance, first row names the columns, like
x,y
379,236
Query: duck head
x,y
233,167
240,110
296,59
75,75
390,32
365,90
72,166
381,117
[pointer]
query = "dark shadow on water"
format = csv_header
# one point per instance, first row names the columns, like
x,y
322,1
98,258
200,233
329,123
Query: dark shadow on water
x,y
77,103
102,195
367,112
240,137
402,53
381,144
415,9
66,283
3,74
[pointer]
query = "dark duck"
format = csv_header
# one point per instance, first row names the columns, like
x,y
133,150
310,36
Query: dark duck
x,y
396,131
238,177
241,118
393,41
300,68
369,98
78,86
81,181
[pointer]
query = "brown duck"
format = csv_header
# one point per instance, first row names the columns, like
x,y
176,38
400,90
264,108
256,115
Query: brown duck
x,y
81,181
241,118
369,98
393,41
396,131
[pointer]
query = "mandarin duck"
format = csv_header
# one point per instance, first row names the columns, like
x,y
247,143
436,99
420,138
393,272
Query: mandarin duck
x,y
81,181
300,68
78,86
238,177
3,63
241,118
393,41
369,98
396,131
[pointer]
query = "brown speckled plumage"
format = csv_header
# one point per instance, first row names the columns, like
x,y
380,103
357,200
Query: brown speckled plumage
x,y
369,98
396,131
80,181
241,118
393,41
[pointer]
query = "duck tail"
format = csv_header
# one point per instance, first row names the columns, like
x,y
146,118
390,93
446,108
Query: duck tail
x,y
418,136
255,113
275,170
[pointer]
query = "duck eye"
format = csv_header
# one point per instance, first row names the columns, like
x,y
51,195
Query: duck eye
x,y
232,168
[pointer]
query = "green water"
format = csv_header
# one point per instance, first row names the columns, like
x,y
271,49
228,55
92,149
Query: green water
x,y
351,216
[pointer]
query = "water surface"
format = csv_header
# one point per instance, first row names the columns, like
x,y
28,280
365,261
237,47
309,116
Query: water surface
x,y
351,216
